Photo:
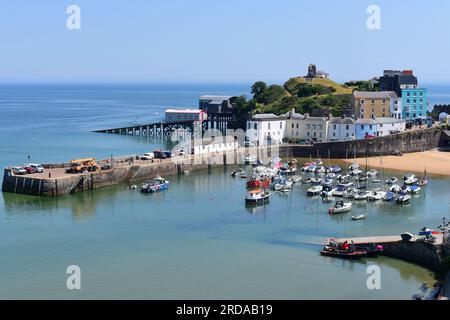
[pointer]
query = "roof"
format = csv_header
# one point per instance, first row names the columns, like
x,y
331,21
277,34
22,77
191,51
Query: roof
x,y
266,117
342,121
384,120
215,99
374,95
183,111
365,121
293,115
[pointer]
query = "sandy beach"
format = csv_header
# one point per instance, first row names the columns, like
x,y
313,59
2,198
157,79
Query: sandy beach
x,y
434,161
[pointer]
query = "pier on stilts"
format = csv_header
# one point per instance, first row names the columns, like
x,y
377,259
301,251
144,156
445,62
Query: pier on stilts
x,y
165,129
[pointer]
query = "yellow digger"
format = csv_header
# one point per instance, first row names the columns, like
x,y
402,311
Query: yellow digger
x,y
83,165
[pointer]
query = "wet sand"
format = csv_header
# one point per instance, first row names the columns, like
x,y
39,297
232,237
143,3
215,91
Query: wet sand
x,y
435,162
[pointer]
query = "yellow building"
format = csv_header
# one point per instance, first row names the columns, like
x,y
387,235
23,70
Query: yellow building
x,y
370,105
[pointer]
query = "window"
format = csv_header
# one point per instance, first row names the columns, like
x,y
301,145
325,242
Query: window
x,y
347,127
334,134
268,125
281,125
362,127
373,101
308,126
297,125
292,126
362,101
256,126
334,126
249,125
370,126
307,134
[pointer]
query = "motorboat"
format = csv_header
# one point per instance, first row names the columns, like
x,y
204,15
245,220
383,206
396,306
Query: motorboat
x,y
363,179
278,181
156,185
327,182
361,195
391,181
237,173
406,189
344,176
340,190
410,179
415,189
389,197
403,198
314,190
376,195
356,172
396,188
340,207
257,196
320,170
336,169
353,167
327,191
360,217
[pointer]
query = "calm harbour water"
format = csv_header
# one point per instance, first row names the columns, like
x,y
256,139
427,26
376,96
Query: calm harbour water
x,y
196,241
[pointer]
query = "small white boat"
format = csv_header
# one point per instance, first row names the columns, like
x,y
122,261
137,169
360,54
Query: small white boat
x,y
327,191
391,181
340,207
257,196
250,160
361,195
297,179
359,217
356,172
314,190
396,188
415,189
403,198
372,173
353,167
340,190
410,179
376,195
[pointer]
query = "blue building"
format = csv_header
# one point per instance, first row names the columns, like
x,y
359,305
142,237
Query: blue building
x,y
365,128
414,103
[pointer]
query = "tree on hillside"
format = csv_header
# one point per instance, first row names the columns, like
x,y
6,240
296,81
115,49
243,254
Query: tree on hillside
x,y
258,89
272,94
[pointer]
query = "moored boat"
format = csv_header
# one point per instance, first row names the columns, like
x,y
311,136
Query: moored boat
x,y
410,179
340,207
392,181
359,217
156,185
257,196
403,198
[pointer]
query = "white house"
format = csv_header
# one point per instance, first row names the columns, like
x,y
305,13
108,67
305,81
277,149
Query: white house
x,y
315,129
266,129
179,115
387,126
341,129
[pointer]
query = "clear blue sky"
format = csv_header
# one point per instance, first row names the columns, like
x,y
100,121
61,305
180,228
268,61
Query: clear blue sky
x,y
220,41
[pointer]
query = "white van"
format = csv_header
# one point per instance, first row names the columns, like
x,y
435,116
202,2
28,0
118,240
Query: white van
x,y
148,156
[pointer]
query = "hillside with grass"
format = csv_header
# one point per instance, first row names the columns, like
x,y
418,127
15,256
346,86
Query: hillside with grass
x,y
317,97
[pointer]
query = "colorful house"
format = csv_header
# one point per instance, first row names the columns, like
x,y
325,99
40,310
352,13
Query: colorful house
x,y
414,103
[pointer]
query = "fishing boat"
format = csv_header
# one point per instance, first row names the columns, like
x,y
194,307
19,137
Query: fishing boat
x,y
403,198
340,207
315,190
389,197
376,195
410,179
361,195
256,182
391,181
257,196
344,254
156,185
415,189
360,217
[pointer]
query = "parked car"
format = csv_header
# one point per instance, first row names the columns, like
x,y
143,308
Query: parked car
x,y
159,155
19,170
29,169
148,156
168,154
37,167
